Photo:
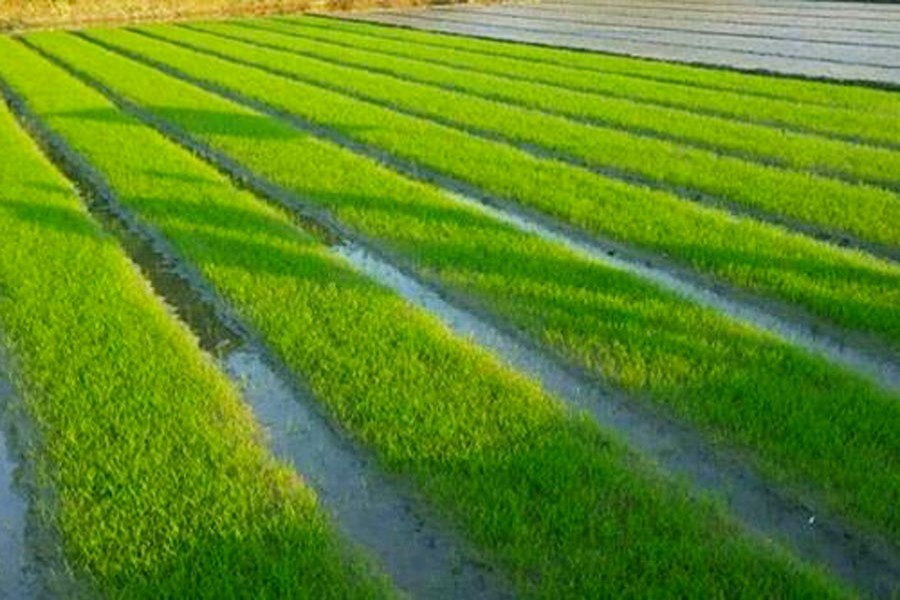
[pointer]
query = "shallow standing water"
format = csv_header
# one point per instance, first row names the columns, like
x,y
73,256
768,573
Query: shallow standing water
x,y
423,559
17,579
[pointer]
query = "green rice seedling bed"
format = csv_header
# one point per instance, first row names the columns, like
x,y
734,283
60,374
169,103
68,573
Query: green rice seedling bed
x,y
864,212
159,483
743,387
541,491
795,90
847,288
502,58
768,145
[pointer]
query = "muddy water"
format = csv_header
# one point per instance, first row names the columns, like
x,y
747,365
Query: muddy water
x,y
421,559
859,44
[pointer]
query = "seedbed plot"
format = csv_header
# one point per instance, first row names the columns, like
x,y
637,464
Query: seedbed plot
x,y
767,145
604,320
843,287
865,212
807,92
858,123
479,440
159,483
550,498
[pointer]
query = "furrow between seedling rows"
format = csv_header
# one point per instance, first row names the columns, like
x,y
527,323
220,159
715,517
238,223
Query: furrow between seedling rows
x,y
647,342
17,576
857,355
866,563
479,441
843,287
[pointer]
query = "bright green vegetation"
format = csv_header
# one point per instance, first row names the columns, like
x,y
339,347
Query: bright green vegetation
x,y
564,508
161,487
848,288
770,145
706,78
863,121
864,212
804,420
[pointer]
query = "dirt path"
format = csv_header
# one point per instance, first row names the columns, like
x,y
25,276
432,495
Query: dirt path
x,y
836,40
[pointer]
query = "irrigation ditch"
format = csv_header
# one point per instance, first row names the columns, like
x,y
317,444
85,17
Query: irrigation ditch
x,y
33,564
864,560
401,535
